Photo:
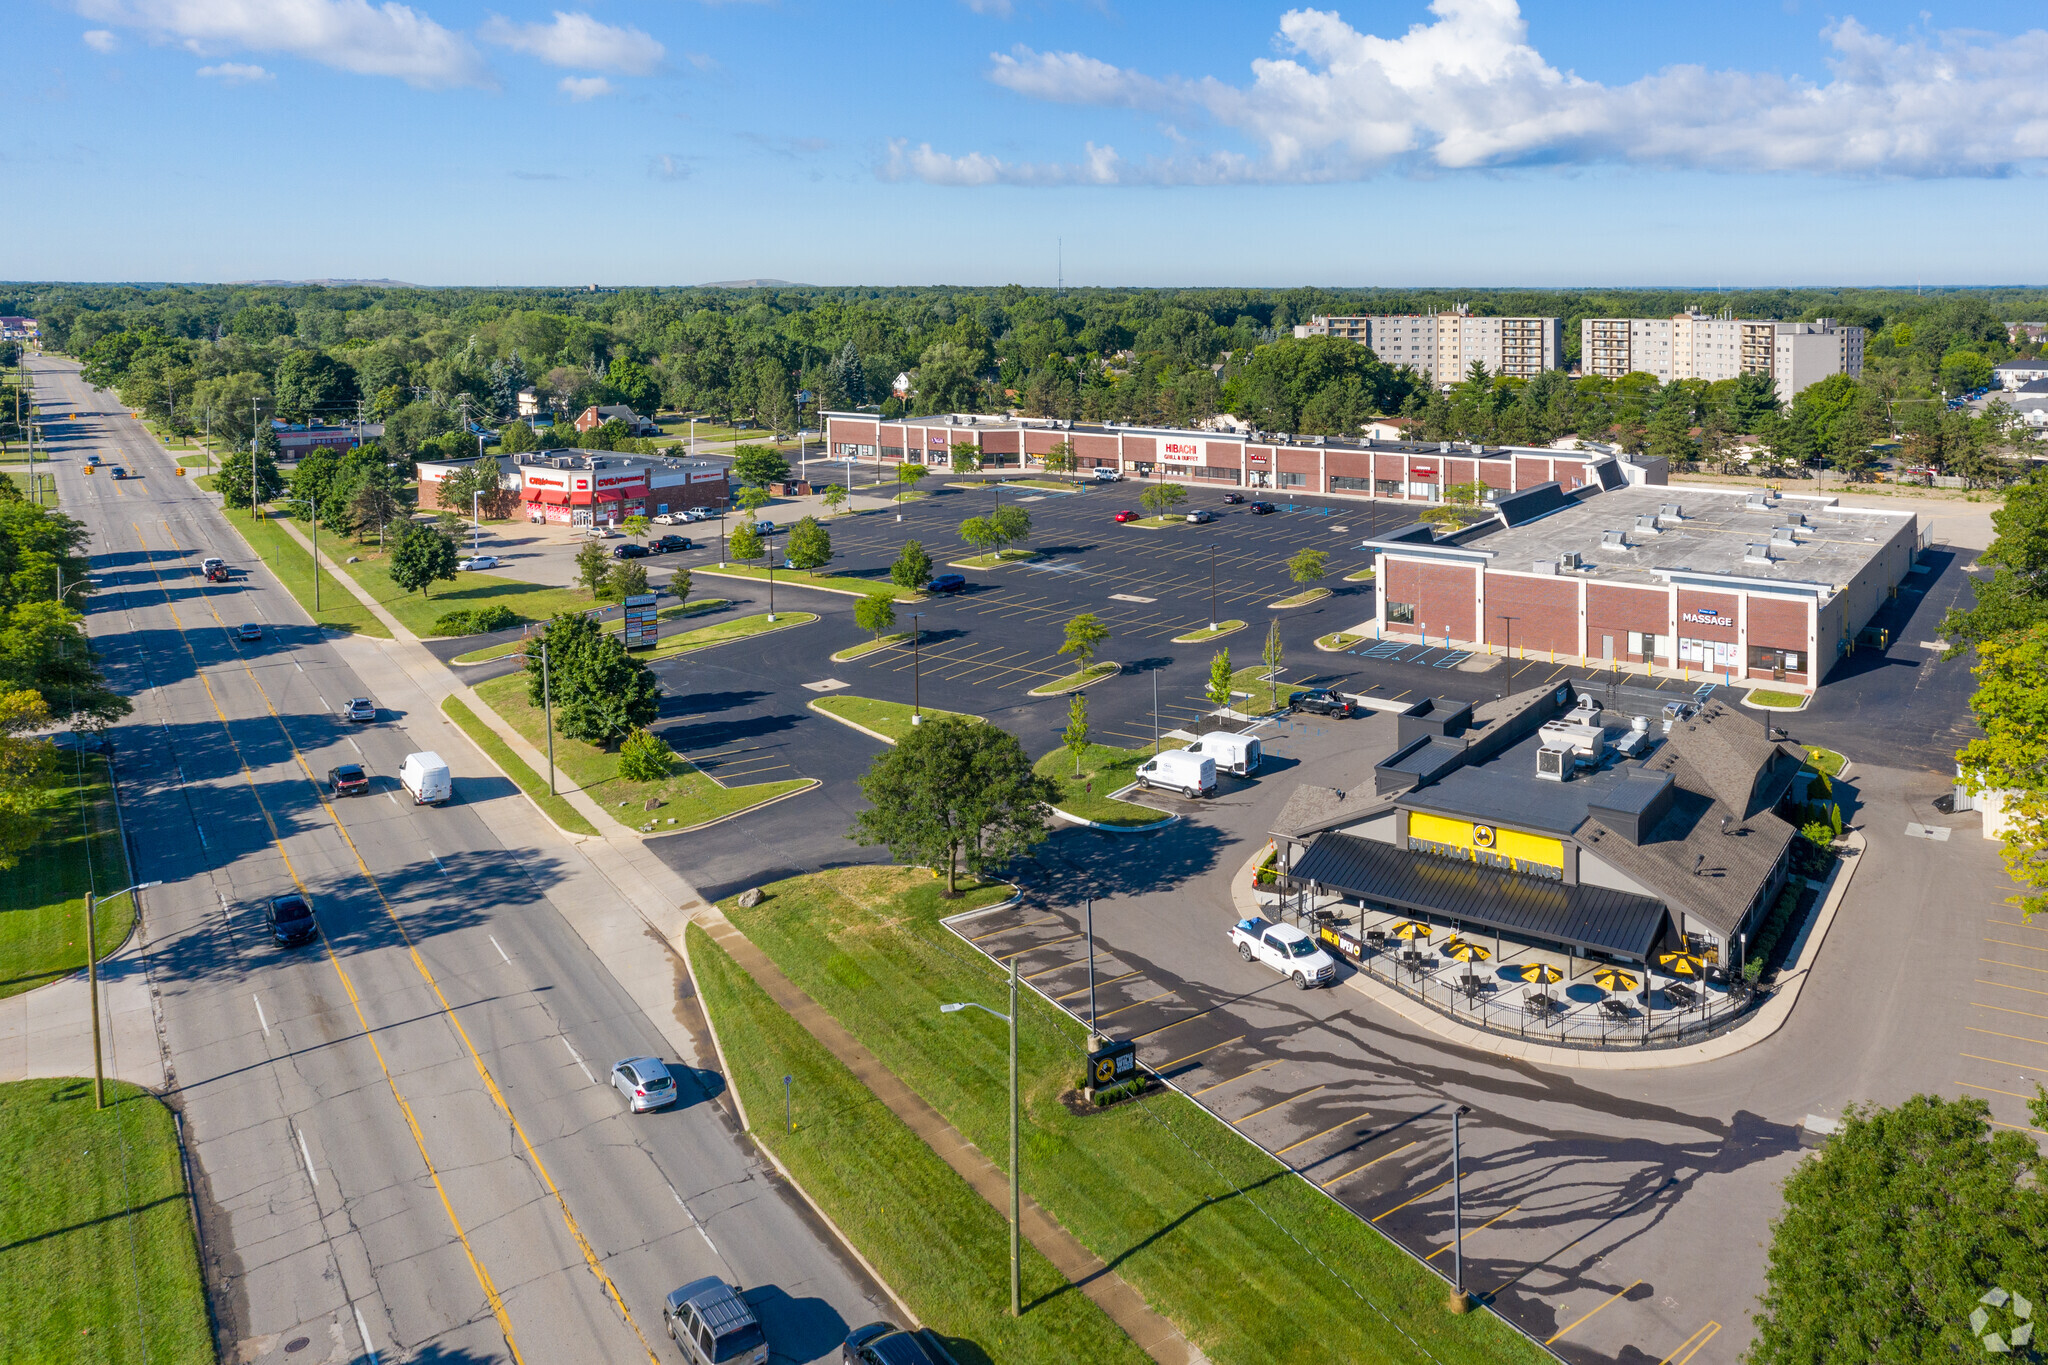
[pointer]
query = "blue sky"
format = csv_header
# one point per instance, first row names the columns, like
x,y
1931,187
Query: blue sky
x,y
1472,142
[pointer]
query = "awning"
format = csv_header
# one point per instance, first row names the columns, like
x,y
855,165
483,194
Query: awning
x,y
579,498
553,497
618,494
1617,922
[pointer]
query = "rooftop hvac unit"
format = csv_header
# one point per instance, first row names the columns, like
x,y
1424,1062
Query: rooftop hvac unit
x,y
1443,448
1570,559
1784,535
1647,524
1613,540
1756,554
1544,566
1757,502
1553,765
1670,511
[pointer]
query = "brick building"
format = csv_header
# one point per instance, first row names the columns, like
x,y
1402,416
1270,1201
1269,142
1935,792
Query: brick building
x,y
585,487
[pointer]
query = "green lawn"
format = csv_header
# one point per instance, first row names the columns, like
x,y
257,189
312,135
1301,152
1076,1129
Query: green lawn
x,y
531,601
1337,640
98,1262
44,490
1360,575
858,587
1302,599
1776,701
993,561
889,641
1825,760
1047,484
1244,1257
891,718
532,783
293,565
1252,679
1094,673
611,627
1204,635
911,495
1170,519
867,1169
687,796
1104,769
723,632
42,897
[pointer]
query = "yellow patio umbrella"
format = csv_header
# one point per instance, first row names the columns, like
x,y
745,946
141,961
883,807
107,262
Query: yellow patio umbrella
x,y
1411,930
1542,973
1462,951
1613,979
1682,964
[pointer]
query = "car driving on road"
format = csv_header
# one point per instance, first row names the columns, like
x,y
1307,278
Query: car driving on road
x,y
348,779
360,708
645,1083
248,630
884,1343
290,919
713,1325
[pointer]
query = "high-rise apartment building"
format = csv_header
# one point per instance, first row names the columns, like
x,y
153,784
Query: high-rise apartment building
x,y
1696,345
1443,346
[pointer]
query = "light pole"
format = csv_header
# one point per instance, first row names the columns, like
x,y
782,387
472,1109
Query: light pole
x,y
1508,651
1457,1209
92,988
768,550
1016,1281
476,512
1212,582
308,504
1091,965
547,702
254,436
916,668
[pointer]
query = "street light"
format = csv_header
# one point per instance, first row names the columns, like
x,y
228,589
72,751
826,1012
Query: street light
x,y
1016,1281
309,505
547,702
1212,580
92,988
1457,1209
916,668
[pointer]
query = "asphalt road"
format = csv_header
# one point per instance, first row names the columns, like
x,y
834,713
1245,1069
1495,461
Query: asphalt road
x,y
402,1135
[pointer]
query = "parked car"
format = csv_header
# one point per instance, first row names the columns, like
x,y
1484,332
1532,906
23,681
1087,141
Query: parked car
x,y
1323,702
691,514
477,562
348,780
1126,514
1286,949
290,919
884,1343
1201,516
1233,498
1260,509
630,550
664,518
671,544
947,582
713,1324
645,1083
602,532
1104,474
248,630
764,528
360,708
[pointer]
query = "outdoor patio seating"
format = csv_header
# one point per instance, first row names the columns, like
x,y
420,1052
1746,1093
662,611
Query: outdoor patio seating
x,y
1681,995
1376,939
1536,1002
1614,1009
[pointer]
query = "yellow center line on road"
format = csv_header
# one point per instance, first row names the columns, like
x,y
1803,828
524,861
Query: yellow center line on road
x,y
1362,1165
1481,1228
1361,1114
1406,1202
2000,1061
1696,1340
1135,1003
1277,1103
1205,1051
1580,1321
1049,943
590,1255
1098,985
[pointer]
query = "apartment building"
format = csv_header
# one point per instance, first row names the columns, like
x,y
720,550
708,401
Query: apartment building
x,y
1696,345
1443,346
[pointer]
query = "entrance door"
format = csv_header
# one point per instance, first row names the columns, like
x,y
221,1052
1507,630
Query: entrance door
x,y
1607,651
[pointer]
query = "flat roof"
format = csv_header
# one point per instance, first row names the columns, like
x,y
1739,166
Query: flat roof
x,y
1505,790
1713,537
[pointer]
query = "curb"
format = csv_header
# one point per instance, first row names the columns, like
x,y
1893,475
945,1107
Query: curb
x,y
847,656
1189,638
1048,690
1115,829
691,829
1338,649
539,810
1300,599
812,705
807,587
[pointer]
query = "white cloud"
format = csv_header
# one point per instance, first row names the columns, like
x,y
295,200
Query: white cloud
x,y
100,40
580,88
236,73
577,40
1468,91
390,39
667,167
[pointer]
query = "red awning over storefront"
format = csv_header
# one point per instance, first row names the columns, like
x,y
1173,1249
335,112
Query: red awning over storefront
x,y
580,498
552,497
619,494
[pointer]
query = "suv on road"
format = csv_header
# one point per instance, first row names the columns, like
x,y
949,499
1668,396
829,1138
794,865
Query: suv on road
x,y
348,780
291,920
713,1324
248,630
360,708
883,1343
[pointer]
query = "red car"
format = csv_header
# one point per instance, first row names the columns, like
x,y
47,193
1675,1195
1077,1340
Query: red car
x,y
1127,515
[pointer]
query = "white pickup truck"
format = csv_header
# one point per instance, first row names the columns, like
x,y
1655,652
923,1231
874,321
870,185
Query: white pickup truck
x,y
1286,949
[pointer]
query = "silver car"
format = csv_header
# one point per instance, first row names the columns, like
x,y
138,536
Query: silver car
x,y
645,1083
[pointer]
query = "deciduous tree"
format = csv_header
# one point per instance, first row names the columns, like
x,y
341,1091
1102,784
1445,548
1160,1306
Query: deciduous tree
x,y
955,791
1161,498
875,613
809,545
422,556
592,566
1084,635
1219,678
913,567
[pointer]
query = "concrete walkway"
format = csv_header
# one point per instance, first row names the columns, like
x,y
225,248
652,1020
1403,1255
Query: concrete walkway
x,y
1158,1337
47,1031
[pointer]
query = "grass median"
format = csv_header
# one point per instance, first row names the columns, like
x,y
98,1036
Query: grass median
x,y
1206,633
1074,682
890,641
1262,691
867,1169
98,1261
1102,769
1211,1231
1301,599
687,796
846,583
292,562
42,897
680,611
993,561
888,718
557,808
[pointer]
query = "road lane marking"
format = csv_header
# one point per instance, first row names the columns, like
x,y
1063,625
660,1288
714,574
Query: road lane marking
x,y
363,1330
1277,1103
1375,1161
310,1175
1481,1228
259,1017
578,1060
437,861
1576,1322
1406,1202
1696,1340
358,748
501,952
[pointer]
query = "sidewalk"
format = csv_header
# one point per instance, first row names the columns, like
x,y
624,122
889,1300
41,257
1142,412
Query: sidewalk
x,y
48,1032
1155,1335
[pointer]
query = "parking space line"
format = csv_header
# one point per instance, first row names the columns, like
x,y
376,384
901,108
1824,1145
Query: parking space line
x,y
2016,1037
2030,947
2000,1061
2003,1010
2018,967
1580,1321
1135,1003
1481,1228
2015,924
1049,943
1238,1077
1361,1114
1277,1103
1189,1019
1991,1090
1012,928
1098,985
1042,971
1362,1165
2021,1126
1702,1337
1406,1202
1192,1055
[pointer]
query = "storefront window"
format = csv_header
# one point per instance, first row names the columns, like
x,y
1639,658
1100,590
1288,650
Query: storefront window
x,y
1287,480
1775,660
1387,488
1401,613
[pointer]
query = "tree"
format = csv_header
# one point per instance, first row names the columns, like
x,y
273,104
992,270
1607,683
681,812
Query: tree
x,y
422,556
833,496
1161,498
1075,736
311,386
601,693
1326,385
1459,506
1670,433
977,532
2011,706
1270,657
954,791
645,757
626,578
1085,634
913,567
593,566
908,474
478,486
1219,678
1308,565
2015,597
1060,459
745,543
809,545
752,499
875,613
966,457
758,466
233,480
1011,524
375,504
636,525
517,438
1893,1232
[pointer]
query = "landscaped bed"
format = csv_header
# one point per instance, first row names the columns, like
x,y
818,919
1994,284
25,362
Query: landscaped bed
x,y
1205,634
889,641
1103,769
1825,760
1337,640
42,897
1776,701
866,1168
1360,575
1262,692
890,719
532,783
845,583
1302,599
678,612
1208,1229
687,796
1074,682
993,561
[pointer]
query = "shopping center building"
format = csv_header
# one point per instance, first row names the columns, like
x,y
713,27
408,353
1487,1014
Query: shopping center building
x,y
592,487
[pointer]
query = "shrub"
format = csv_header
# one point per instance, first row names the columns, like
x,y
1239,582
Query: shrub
x,y
453,623
645,757
1774,929
475,620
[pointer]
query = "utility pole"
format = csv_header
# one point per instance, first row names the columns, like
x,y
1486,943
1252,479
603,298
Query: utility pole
x,y
252,466
1016,1276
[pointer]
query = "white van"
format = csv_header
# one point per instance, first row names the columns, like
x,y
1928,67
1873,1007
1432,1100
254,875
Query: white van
x,y
1236,754
1190,774
1107,474
426,777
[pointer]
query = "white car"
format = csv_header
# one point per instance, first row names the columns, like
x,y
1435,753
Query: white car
x,y
476,562
664,519
695,514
